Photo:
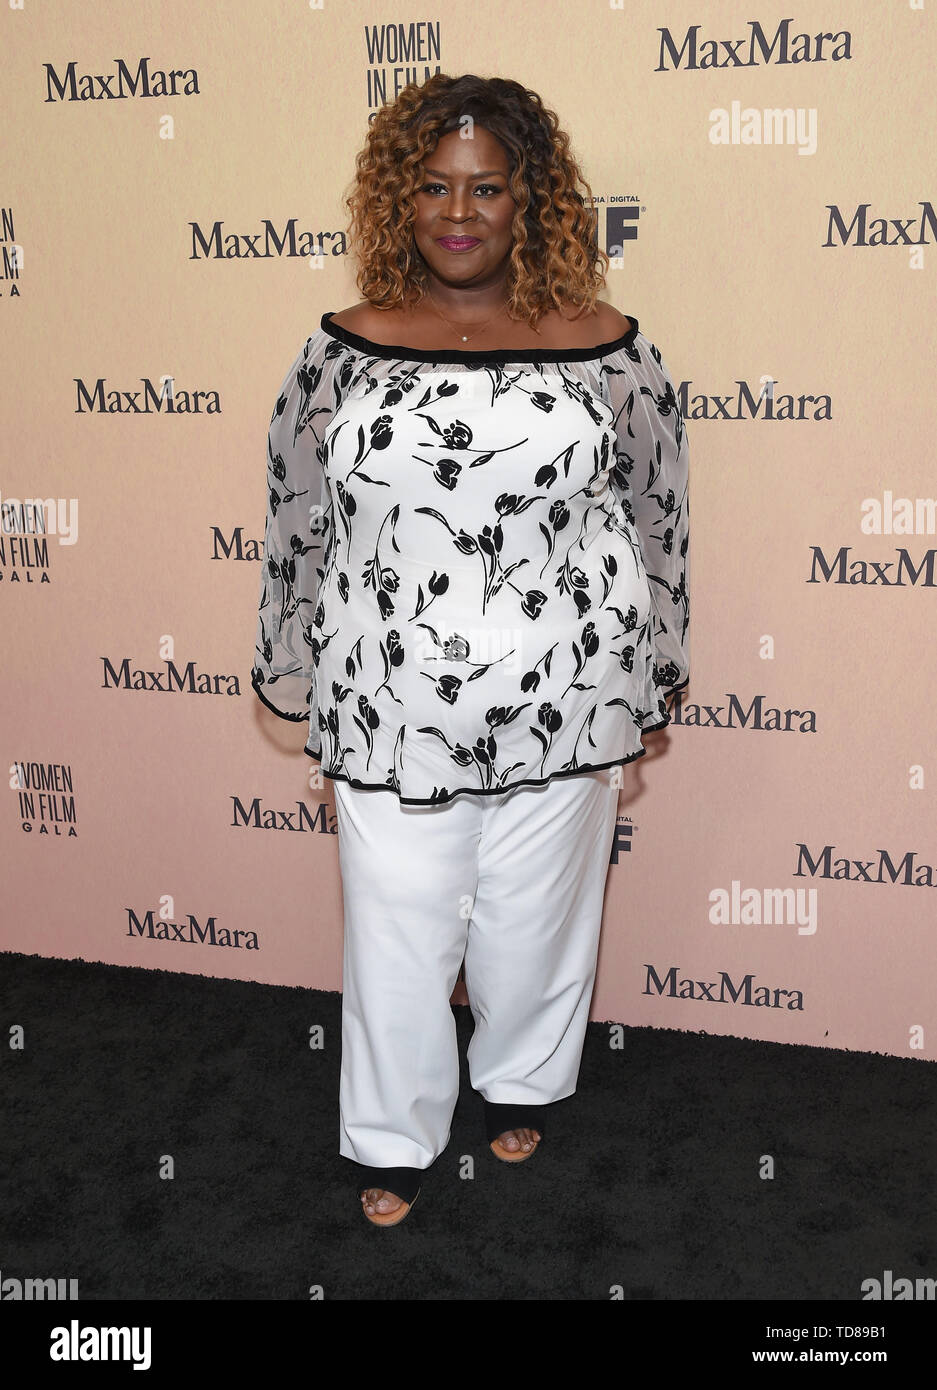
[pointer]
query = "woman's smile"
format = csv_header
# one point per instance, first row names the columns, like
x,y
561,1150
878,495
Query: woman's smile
x,y
458,243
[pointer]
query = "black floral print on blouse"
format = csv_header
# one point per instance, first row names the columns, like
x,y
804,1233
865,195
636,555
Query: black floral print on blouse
x,y
476,564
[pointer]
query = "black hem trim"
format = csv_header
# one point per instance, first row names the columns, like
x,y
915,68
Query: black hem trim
x,y
399,352
490,791
291,718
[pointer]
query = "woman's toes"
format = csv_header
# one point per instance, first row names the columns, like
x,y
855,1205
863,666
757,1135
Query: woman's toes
x,y
516,1139
377,1201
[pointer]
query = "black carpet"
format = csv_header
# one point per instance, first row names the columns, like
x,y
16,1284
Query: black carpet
x,y
647,1184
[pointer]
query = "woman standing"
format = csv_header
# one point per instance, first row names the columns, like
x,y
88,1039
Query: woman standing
x,y
475,592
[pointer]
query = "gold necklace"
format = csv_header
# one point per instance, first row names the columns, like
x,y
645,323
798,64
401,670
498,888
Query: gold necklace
x,y
465,338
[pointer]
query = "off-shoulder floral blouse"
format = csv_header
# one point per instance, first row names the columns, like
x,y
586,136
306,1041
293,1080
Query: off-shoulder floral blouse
x,y
476,564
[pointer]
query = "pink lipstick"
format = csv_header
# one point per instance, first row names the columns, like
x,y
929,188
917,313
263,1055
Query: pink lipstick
x,y
458,243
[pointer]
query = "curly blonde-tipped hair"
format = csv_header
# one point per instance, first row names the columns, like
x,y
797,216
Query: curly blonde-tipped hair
x,y
555,263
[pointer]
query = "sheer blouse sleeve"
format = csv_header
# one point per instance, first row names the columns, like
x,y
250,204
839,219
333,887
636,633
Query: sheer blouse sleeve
x,y
651,480
297,530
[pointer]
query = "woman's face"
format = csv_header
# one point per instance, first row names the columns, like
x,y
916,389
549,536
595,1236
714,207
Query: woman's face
x,y
464,194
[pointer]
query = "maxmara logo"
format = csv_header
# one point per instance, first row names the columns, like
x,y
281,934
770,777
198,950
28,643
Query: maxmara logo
x,y
189,932
893,574
752,50
754,403
882,869
170,681
723,990
758,714
121,84
163,399
859,229
256,816
217,244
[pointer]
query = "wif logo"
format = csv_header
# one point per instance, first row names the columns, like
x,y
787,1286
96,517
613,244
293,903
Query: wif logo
x,y
621,842
622,214
621,226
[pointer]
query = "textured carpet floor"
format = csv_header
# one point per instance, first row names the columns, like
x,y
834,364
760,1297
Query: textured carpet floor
x,y
648,1180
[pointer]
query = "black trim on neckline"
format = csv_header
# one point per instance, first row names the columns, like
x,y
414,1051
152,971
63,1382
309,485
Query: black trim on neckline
x,y
398,352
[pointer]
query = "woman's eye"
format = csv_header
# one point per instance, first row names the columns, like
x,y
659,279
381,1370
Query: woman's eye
x,y
430,187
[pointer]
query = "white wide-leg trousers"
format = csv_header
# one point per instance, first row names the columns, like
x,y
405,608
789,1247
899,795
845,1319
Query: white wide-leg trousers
x,y
515,883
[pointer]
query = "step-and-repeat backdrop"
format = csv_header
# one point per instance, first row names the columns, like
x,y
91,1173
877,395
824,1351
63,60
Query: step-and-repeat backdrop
x,y
172,229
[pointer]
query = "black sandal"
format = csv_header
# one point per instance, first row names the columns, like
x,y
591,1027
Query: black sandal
x,y
501,1117
405,1183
